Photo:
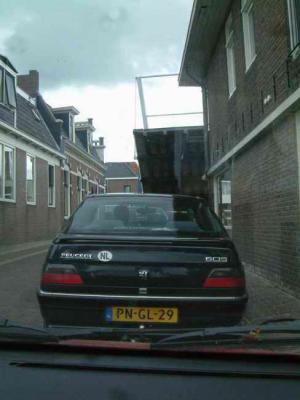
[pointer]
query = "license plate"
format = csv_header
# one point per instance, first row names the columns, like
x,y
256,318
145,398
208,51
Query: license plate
x,y
142,314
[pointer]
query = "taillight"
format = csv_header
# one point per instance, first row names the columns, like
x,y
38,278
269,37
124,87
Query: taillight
x,y
61,274
224,278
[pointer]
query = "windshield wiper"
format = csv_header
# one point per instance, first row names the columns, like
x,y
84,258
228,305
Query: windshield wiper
x,y
115,333
266,331
158,337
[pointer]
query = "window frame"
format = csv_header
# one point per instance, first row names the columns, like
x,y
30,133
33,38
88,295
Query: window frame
x,y
68,186
31,203
9,93
218,193
294,25
126,186
84,187
248,32
3,145
230,56
79,188
2,84
4,93
53,205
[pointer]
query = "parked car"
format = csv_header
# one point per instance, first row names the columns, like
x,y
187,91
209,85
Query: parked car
x,y
142,260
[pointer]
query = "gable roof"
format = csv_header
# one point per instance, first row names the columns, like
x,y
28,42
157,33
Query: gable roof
x,y
134,167
33,125
121,170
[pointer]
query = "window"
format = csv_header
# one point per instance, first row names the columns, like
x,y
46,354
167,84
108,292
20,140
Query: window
x,y
30,179
11,91
79,189
164,216
127,188
1,85
230,55
248,29
84,188
7,88
36,115
67,196
51,185
7,173
100,189
294,22
223,198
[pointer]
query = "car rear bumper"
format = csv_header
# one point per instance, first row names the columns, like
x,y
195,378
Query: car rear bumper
x,y
89,309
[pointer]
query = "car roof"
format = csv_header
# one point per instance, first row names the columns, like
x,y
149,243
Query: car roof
x,y
145,195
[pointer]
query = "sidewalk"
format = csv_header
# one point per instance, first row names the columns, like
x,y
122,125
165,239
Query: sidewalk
x,y
12,251
267,301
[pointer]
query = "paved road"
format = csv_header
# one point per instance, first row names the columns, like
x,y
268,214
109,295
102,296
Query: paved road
x,y
19,281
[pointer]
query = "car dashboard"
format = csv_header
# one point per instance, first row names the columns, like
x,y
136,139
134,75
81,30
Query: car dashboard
x,y
66,373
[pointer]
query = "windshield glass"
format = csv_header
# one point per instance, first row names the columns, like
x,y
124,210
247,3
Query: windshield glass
x,y
146,215
150,171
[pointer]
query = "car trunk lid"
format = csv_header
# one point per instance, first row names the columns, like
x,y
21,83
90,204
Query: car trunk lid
x,y
144,266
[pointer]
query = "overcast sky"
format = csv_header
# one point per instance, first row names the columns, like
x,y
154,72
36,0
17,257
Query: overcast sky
x,y
88,53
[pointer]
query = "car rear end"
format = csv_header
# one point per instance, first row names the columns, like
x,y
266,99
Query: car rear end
x,y
163,279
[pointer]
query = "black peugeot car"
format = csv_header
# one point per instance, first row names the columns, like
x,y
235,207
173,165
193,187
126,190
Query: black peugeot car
x,y
142,260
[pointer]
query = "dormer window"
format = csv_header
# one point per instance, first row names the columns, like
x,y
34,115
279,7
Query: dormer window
x,y
67,115
7,88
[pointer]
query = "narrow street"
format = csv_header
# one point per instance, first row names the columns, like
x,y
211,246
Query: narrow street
x,y
19,280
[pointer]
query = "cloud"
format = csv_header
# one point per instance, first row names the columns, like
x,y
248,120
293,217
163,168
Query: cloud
x,y
112,110
94,42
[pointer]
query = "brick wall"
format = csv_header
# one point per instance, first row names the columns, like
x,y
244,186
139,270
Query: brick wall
x,y
22,222
265,204
117,186
93,175
265,176
270,74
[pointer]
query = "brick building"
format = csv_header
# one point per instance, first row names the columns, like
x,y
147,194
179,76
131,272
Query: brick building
x,y
83,166
41,166
122,177
245,55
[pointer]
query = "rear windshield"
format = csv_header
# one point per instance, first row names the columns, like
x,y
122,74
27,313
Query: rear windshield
x,y
144,215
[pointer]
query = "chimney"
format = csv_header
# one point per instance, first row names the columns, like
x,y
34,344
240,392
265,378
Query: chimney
x,y
99,147
29,83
